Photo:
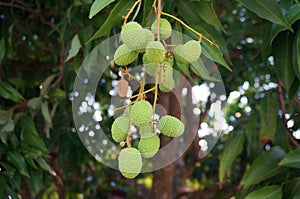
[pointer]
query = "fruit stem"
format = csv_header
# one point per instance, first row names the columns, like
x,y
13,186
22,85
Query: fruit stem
x,y
201,36
122,107
156,89
147,91
158,14
129,135
130,11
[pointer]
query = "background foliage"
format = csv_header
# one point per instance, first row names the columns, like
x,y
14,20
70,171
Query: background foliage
x,y
43,43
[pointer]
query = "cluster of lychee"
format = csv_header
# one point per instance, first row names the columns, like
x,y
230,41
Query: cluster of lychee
x,y
158,57
158,60
140,115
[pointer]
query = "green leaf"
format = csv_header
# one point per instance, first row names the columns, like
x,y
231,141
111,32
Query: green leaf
x,y
2,187
34,103
9,126
233,149
207,12
263,167
114,18
296,54
268,115
2,49
46,113
46,84
269,192
75,46
35,141
8,92
282,52
291,188
292,159
44,165
280,138
28,124
98,5
19,162
199,69
267,9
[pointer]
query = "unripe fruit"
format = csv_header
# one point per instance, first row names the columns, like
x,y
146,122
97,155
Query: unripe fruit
x,y
187,53
149,146
124,56
141,113
192,50
146,131
120,128
170,126
179,55
130,162
151,68
155,52
149,36
165,30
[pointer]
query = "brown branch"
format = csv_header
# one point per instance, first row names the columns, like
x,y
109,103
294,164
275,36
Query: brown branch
x,y
283,110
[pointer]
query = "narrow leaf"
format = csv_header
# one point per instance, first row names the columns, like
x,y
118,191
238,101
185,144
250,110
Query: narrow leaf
x,y
233,149
292,159
282,52
269,192
43,164
46,84
199,69
19,162
46,113
263,167
2,49
291,188
207,12
35,141
268,115
296,54
98,5
114,18
8,92
267,9
75,46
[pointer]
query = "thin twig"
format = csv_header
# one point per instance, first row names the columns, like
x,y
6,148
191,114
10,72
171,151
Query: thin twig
x,y
130,11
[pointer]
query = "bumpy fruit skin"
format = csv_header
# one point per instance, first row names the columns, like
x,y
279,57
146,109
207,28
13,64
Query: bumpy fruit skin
x,y
141,113
146,131
192,50
130,162
187,53
149,36
179,55
124,55
165,28
151,68
155,52
166,80
120,128
149,145
170,126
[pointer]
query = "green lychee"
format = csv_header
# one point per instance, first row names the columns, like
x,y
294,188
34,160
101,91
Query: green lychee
x,y
165,30
170,126
141,113
149,145
155,52
130,162
120,128
124,55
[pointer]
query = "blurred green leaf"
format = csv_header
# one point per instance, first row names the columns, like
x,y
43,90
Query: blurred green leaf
x,y
234,148
114,18
9,126
8,92
35,141
199,69
269,192
75,47
19,162
57,93
46,113
34,103
291,188
280,138
263,167
98,5
2,187
296,53
282,52
2,49
267,9
292,159
268,116
44,165
28,124
46,84
207,12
